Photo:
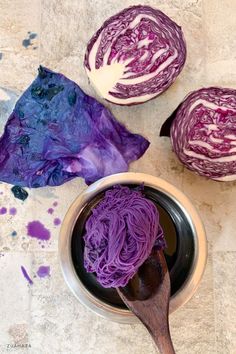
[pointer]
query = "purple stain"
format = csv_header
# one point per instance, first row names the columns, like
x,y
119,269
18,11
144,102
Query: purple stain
x,y
26,275
3,211
55,204
50,211
38,230
56,221
43,271
1,193
12,211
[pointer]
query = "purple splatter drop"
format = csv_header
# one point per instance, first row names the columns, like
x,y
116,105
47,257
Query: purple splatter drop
x,y
1,193
55,204
26,275
12,211
3,211
50,211
56,221
38,230
43,271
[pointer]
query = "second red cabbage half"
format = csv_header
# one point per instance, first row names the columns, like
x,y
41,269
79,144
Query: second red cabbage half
x,y
203,132
136,55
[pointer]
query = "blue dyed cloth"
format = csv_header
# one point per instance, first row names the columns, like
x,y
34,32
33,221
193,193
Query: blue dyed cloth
x,y
56,132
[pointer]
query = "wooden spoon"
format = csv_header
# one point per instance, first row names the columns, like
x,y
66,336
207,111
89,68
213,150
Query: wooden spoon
x,y
147,295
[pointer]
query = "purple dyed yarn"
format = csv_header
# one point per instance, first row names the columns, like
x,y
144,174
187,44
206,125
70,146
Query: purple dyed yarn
x,y
120,235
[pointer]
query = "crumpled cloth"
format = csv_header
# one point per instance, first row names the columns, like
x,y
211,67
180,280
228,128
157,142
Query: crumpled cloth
x,y
56,132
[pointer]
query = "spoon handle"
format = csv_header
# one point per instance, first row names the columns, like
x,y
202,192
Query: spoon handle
x,y
164,343
147,295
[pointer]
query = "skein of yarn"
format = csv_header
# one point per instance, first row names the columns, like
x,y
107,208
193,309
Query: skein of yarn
x,y
120,235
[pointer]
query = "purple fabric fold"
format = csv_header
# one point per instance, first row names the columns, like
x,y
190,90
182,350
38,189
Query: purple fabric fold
x,y
56,132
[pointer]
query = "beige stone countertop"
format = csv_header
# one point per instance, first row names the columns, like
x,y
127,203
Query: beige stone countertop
x,y
46,318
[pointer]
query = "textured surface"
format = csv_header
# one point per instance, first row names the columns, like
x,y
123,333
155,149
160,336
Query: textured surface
x,y
224,288
45,317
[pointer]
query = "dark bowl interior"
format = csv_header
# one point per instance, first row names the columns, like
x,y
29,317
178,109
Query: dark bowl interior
x,y
178,234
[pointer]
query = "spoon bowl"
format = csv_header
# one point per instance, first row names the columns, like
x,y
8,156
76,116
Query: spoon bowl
x,y
147,295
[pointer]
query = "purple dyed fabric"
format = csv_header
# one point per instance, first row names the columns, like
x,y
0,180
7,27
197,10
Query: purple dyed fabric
x,y
56,132
120,235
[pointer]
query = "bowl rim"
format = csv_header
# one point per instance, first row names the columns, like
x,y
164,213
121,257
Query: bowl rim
x,y
105,310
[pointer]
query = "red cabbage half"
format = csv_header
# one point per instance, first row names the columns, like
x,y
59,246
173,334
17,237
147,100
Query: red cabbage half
x,y
56,132
120,235
135,55
203,132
